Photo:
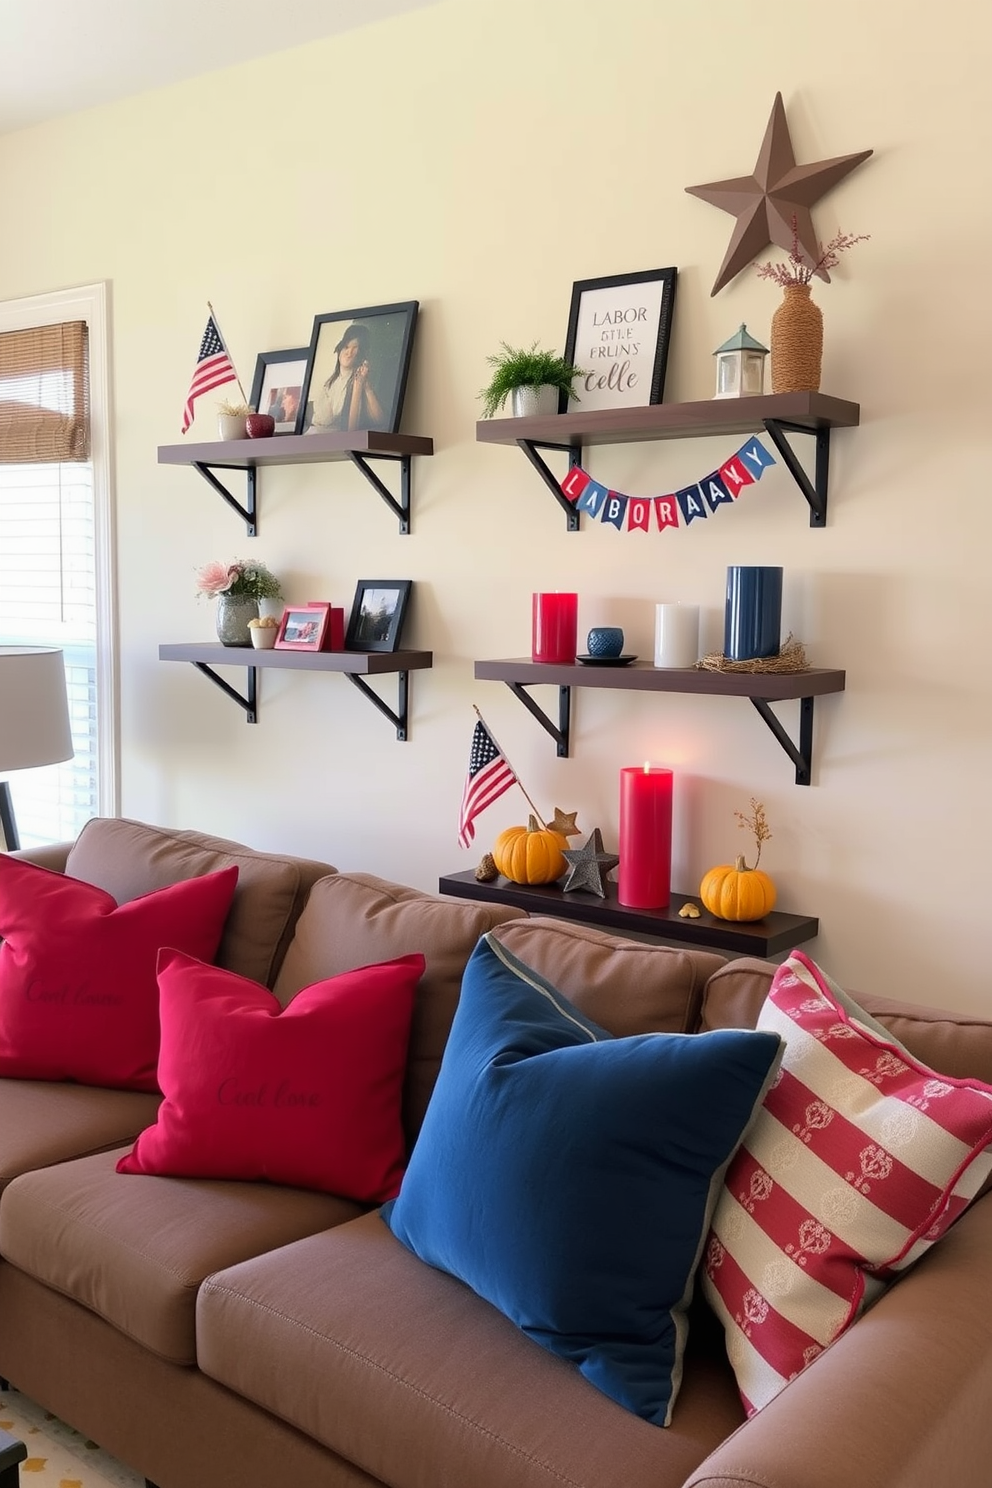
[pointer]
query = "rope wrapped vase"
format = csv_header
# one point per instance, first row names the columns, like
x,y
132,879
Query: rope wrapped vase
x,y
797,342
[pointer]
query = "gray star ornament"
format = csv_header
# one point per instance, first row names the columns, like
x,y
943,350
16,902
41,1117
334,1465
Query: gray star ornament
x,y
589,865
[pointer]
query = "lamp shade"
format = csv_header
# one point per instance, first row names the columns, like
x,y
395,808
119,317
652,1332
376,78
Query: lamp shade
x,y
34,712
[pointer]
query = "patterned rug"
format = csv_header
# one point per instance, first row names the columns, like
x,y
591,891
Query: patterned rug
x,y
58,1456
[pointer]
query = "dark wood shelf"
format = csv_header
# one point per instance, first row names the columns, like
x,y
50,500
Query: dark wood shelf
x,y
778,414
774,934
368,663
641,676
762,688
359,446
355,665
809,411
294,449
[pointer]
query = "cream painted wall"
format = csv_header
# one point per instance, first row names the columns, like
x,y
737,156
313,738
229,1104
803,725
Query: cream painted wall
x,y
480,156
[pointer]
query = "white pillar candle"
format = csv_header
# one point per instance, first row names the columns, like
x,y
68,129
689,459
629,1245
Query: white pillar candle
x,y
676,635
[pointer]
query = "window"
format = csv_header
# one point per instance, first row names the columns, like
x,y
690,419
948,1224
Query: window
x,y
56,556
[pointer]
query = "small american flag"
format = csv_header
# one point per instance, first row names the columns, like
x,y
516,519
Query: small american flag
x,y
213,368
488,777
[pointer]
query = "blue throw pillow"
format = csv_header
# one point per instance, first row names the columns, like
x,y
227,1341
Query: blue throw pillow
x,y
569,1177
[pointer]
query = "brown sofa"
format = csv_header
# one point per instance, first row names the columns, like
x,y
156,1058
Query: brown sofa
x,y
240,1335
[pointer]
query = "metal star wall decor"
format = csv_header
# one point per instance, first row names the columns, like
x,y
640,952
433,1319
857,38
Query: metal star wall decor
x,y
766,202
588,865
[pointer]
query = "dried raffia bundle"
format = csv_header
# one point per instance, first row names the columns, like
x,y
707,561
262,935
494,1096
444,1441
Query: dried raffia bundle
x,y
791,658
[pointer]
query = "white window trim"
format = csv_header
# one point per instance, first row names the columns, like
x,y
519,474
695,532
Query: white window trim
x,y
90,302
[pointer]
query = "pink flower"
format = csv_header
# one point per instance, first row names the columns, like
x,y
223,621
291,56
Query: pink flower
x,y
213,578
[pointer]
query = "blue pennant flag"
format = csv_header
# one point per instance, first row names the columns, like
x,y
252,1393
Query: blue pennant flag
x,y
592,498
715,490
615,510
691,503
755,457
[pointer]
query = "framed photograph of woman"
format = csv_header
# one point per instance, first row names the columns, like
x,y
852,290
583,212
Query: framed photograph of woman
x,y
618,333
357,369
278,386
303,627
377,614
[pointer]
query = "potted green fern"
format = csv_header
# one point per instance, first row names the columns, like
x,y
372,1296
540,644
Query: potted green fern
x,y
532,379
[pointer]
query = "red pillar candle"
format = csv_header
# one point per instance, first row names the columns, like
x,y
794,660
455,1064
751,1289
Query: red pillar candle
x,y
554,627
644,878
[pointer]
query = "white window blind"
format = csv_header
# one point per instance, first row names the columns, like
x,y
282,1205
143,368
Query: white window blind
x,y
48,597
55,589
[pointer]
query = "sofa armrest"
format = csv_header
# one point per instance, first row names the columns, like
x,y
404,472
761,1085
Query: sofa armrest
x,y
52,855
899,1401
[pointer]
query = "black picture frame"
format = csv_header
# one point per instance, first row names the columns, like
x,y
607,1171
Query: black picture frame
x,y
619,329
377,614
276,379
340,398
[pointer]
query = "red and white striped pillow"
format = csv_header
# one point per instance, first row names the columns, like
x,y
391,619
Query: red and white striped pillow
x,y
858,1161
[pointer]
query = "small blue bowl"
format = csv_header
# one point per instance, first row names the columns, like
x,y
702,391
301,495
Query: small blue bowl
x,y
605,640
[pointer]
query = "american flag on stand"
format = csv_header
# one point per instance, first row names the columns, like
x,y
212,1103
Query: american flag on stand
x,y
488,777
213,368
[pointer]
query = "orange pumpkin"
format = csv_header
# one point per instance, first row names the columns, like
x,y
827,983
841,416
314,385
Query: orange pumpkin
x,y
737,892
531,854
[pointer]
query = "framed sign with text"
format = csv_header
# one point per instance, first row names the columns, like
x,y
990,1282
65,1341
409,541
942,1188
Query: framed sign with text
x,y
618,334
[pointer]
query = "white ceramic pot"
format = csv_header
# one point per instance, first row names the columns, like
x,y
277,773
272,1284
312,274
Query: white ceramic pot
x,y
232,425
529,402
263,637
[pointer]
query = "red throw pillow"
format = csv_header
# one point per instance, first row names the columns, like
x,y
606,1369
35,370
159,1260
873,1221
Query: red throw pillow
x,y
78,995
308,1095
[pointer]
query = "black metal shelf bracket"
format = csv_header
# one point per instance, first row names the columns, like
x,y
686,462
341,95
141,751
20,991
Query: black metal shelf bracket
x,y
399,719
530,448
248,512
249,702
560,733
815,491
802,757
401,508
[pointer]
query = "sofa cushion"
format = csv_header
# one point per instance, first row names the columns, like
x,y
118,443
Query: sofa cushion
x,y
345,1331
307,1095
602,1159
860,1160
129,858
44,1123
354,918
623,985
134,1250
78,995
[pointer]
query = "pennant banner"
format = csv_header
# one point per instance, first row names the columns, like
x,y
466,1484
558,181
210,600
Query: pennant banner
x,y
642,513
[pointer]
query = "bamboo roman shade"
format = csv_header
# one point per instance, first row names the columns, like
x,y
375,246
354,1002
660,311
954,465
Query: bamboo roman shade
x,y
44,394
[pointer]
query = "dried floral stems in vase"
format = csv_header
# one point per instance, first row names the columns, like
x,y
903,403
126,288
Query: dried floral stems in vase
x,y
797,325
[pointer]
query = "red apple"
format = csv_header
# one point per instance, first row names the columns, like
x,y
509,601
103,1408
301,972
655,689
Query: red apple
x,y
260,425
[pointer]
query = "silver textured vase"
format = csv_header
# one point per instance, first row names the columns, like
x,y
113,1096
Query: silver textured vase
x,y
233,613
531,402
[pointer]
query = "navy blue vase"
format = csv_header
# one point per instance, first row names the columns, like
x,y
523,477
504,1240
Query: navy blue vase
x,y
753,617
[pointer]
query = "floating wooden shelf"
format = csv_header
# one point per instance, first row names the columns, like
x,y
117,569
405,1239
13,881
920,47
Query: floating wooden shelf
x,y
768,937
777,413
359,446
355,665
762,688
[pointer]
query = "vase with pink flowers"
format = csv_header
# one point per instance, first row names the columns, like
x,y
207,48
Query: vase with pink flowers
x,y
237,588
797,325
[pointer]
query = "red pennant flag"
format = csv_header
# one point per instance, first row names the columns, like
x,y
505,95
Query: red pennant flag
x,y
574,483
736,476
667,512
638,514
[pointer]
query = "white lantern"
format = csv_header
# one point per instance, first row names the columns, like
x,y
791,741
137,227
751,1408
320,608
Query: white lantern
x,y
740,366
